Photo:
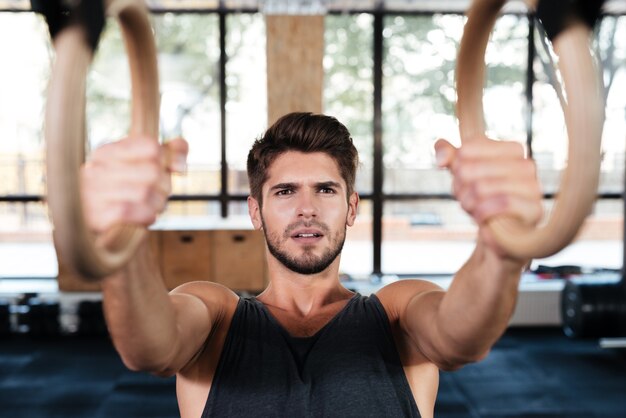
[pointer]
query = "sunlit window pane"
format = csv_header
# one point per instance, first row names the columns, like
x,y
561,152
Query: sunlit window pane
x,y
108,89
549,135
437,236
183,4
246,83
26,234
188,51
348,84
188,62
23,83
31,218
357,255
427,236
599,241
238,214
611,44
549,132
419,93
504,98
189,215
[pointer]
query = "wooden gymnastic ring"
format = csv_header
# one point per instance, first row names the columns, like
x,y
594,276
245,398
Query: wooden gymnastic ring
x,y
584,117
94,256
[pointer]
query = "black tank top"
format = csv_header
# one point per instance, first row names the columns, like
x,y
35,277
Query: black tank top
x,y
349,368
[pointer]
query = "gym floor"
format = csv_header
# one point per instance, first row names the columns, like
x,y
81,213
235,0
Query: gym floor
x,y
531,372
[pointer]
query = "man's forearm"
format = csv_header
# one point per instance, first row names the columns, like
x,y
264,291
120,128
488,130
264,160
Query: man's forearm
x,y
479,303
139,313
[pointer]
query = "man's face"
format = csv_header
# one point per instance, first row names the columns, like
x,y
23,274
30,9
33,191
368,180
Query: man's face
x,y
305,211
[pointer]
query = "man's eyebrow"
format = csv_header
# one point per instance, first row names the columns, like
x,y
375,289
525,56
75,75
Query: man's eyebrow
x,y
328,184
319,185
280,186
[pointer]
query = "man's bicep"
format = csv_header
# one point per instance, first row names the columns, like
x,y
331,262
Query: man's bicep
x,y
199,307
421,323
414,304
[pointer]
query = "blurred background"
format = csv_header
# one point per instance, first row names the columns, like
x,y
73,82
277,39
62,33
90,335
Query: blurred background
x,y
388,74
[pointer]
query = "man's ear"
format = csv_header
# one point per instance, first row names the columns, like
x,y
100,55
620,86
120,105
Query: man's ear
x,y
353,206
254,210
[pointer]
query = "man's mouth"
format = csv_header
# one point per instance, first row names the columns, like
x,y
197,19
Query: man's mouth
x,y
307,235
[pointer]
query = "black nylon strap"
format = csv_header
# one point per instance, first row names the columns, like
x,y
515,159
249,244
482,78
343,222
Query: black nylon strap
x,y
62,13
557,15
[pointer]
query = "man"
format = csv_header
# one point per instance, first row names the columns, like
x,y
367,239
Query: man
x,y
307,346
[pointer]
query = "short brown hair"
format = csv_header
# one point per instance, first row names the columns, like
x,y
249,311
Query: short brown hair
x,y
305,132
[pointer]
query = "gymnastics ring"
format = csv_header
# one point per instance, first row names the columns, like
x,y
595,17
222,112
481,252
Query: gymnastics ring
x,y
584,117
94,256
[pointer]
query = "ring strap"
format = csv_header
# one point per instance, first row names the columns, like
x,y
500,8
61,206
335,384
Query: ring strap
x,y
94,256
558,15
60,14
584,117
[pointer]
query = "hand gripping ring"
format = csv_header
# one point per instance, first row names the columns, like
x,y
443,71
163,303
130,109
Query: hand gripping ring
x,y
94,256
584,117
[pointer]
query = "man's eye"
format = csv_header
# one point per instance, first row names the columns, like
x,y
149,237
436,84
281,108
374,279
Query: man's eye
x,y
327,190
284,192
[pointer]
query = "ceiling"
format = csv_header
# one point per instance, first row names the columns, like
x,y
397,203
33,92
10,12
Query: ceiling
x,y
321,6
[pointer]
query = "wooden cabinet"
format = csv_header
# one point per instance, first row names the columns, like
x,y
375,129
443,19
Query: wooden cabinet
x,y
70,281
184,256
234,258
238,259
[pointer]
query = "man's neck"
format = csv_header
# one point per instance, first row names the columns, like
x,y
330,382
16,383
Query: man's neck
x,y
303,294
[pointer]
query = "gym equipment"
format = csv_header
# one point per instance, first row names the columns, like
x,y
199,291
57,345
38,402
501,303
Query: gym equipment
x,y
568,25
91,318
5,317
75,28
593,308
38,317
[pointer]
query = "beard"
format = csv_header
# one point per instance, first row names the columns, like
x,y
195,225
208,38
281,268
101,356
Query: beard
x,y
307,263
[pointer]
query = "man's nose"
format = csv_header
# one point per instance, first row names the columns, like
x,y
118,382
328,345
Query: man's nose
x,y
307,207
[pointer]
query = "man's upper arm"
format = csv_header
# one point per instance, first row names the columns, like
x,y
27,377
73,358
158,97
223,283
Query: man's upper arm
x,y
199,308
413,306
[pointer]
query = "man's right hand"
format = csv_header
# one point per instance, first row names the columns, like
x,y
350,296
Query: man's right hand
x,y
129,181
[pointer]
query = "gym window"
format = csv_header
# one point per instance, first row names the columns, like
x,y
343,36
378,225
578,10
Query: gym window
x,y
389,75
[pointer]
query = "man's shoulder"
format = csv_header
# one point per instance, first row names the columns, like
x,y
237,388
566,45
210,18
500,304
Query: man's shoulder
x,y
396,296
214,295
